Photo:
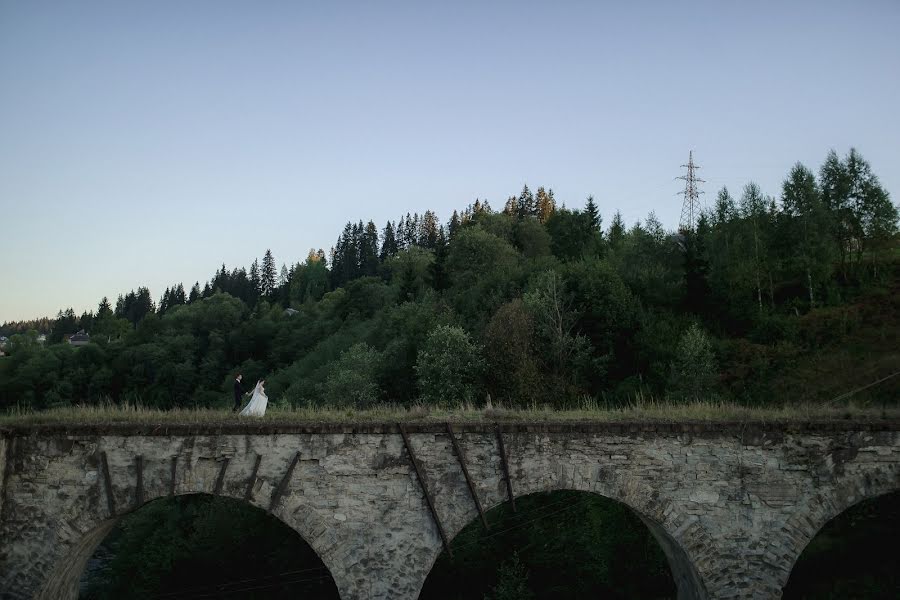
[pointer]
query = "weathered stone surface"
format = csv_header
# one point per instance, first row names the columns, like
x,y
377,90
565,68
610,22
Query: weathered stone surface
x,y
732,506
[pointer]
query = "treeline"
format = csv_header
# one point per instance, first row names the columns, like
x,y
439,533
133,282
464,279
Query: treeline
x,y
537,303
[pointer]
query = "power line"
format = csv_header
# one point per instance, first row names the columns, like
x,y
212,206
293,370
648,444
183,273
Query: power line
x,y
690,208
217,589
217,594
219,586
865,387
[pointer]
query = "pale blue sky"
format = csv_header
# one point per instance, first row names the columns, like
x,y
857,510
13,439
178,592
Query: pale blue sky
x,y
147,143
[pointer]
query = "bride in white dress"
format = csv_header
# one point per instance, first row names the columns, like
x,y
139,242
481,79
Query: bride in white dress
x,y
258,402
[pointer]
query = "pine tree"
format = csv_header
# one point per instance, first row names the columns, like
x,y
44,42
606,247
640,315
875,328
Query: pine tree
x,y
178,295
409,232
267,275
388,243
104,310
511,208
545,204
400,234
591,214
616,233
430,229
195,293
526,206
369,250
164,302
454,225
357,245
255,280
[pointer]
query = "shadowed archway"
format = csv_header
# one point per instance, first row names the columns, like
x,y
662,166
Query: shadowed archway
x,y
561,544
854,555
194,545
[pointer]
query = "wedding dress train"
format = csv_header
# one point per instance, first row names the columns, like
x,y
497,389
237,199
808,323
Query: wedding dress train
x,y
257,405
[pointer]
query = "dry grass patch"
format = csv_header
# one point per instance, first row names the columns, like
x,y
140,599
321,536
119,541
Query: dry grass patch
x,y
645,412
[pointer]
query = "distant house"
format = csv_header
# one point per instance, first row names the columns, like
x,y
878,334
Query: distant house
x,y
80,339
42,338
3,341
290,312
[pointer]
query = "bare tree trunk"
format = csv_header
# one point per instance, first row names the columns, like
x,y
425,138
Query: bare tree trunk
x,y
810,285
756,257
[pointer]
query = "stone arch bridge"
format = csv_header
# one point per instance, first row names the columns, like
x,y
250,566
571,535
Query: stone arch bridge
x,y
732,505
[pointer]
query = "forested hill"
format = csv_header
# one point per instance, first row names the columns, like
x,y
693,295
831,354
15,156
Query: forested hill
x,y
767,300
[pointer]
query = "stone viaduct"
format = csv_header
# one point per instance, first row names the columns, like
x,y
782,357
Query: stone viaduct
x,y
732,504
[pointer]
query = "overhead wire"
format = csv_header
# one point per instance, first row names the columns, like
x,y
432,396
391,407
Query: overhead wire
x,y
212,590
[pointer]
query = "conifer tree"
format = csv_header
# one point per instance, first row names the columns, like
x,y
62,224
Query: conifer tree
x,y
388,242
195,293
255,279
409,232
454,225
369,250
430,230
511,208
267,274
616,233
545,204
591,214
103,309
164,302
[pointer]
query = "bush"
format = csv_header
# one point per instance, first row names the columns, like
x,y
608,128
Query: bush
x,y
448,367
694,368
352,379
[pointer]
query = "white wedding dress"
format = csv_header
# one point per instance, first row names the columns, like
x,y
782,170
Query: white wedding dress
x,y
258,402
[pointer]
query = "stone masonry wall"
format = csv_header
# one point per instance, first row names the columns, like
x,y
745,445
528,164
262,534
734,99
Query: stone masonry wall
x,y
3,443
732,505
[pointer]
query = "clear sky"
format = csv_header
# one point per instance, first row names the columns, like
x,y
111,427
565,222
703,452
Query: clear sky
x,y
147,143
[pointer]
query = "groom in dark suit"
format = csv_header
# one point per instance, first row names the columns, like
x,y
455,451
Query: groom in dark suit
x,y
238,392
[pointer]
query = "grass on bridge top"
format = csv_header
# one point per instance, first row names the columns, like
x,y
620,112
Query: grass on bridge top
x,y
639,412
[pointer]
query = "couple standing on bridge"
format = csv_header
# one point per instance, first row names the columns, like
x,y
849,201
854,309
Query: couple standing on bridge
x,y
258,402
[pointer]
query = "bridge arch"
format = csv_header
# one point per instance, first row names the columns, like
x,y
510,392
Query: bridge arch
x,y
64,579
80,532
817,510
678,535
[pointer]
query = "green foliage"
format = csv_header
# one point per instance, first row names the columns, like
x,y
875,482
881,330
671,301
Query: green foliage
x,y
483,270
562,311
694,368
352,379
205,545
512,581
449,365
513,372
566,545
410,272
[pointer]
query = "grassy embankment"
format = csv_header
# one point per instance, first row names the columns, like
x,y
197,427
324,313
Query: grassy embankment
x,y
647,412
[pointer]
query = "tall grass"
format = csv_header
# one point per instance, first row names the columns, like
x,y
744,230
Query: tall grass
x,y
589,410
